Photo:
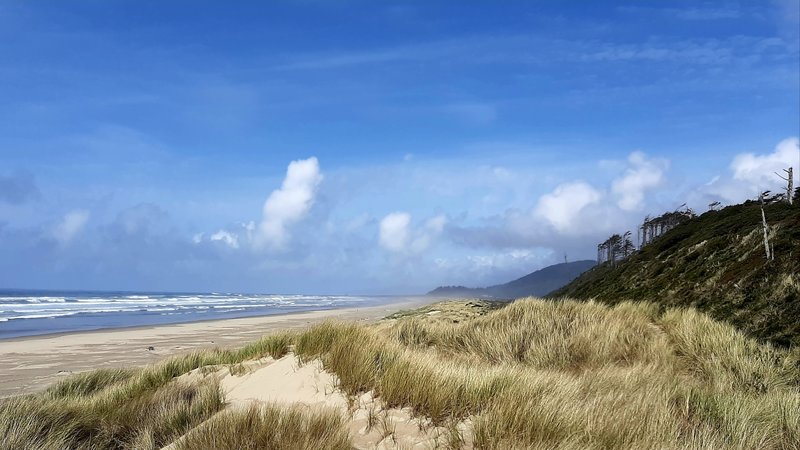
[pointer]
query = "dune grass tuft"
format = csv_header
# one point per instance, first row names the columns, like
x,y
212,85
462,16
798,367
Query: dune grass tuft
x,y
270,427
149,420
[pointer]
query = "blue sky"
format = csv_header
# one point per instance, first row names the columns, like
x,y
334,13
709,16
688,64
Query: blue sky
x,y
369,147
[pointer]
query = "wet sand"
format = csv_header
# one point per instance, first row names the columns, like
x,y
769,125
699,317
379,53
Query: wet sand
x,y
30,364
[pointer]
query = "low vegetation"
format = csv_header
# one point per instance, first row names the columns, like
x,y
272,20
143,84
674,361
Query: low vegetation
x,y
530,374
124,408
550,374
715,263
107,419
270,427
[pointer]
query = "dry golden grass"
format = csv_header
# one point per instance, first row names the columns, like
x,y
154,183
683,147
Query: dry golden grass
x,y
534,374
564,374
270,427
149,420
124,408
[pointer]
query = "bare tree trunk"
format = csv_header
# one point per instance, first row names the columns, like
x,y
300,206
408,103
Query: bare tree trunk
x,y
766,231
790,184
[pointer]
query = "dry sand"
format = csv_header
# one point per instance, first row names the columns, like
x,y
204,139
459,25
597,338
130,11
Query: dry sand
x,y
371,424
30,364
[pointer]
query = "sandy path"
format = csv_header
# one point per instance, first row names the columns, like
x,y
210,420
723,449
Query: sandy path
x,y
30,364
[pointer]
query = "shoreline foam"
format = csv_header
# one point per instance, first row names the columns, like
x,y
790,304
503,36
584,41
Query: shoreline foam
x,y
29,364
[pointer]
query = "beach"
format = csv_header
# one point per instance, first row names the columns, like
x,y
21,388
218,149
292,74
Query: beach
x,y
30,364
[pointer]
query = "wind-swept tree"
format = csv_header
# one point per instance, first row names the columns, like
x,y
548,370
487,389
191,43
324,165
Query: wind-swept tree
x,y
627,247
789,183
615,248
655,227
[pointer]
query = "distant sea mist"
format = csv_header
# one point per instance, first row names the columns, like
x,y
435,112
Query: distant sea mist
x,y
28,312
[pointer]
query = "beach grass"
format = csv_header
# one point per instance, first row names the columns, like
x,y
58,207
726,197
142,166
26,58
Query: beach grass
x,y
270,427
566,374
125,408
148,420
539,374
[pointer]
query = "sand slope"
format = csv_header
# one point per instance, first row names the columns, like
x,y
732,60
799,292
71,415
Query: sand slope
x,y
288,382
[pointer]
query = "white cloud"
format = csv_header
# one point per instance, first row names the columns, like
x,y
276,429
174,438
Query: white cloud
x,y
425,236
394,232
397,235
750,175
642,174
562,206
288,204
758,171
285,206
228,238
72,223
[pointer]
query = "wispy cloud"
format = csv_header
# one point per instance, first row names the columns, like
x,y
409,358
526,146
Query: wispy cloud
x,y
69,227
532,49
694,13
477,48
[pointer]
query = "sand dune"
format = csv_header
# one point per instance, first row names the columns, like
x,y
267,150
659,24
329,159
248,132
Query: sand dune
x,y
287,382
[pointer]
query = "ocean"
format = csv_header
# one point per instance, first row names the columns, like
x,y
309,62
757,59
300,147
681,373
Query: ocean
x,y
29,312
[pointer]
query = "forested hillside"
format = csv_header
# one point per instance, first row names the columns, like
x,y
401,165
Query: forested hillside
x,y
716,263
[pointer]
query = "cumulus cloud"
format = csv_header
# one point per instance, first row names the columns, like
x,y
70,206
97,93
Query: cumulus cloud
x,y
230,239
561,207
393,231
72,223
574,214
759,170
284,207
641,175
753,173
288,204
396,234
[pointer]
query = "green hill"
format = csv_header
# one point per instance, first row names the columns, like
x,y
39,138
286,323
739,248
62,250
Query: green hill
x,y
716,263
